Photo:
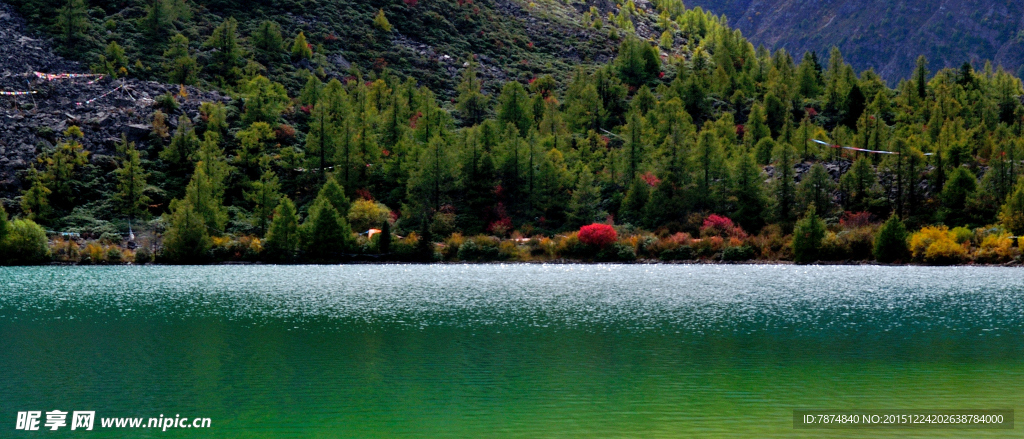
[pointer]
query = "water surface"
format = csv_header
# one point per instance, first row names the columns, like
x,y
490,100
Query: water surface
x,y
507,350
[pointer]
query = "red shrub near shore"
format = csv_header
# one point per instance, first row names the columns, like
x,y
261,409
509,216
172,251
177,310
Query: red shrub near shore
x,y
598,235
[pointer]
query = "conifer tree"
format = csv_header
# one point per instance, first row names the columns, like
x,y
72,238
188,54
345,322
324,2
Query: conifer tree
x,y
264,194
785,190
748,194
130,198
471,103
227,54
73,22
807,236
583,206
300,48
187,239
267,41
816,188
891,241
858,186
181,66
282,237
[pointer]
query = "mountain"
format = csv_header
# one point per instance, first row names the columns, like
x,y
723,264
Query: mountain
x,y
884,35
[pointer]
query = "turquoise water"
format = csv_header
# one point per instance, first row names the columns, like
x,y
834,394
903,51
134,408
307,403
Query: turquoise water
x,y
507,350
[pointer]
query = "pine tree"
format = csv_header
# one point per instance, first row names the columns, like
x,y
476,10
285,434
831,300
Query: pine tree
x,y
807,236
513,108
632,210
181,66
471,103
300,48
264,196
184,143
35,201
187,239
921,77
891,241
226,51
384,242
858,186
785,191
264,101
325,233
956,196
130,198
267,41
583,206
381,21
73,22
748,193
816,188
283,236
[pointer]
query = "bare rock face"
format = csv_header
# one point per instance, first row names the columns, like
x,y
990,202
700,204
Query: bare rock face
x,y
104,109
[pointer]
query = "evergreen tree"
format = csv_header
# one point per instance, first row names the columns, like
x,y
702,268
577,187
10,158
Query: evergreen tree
x,y
471,103
264,196
227,54
785,190
267,41
35,201
816,188
130,198
381,21
384,242
584,204
264,100
73,22
858,186
891,241
181,66
513,108
956,195
807,236
325,234
748,194
301,48
335,194
184,143
921,77
282,237
633,205
187,239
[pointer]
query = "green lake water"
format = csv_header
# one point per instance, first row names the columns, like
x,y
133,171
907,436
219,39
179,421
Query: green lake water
x,y
518,351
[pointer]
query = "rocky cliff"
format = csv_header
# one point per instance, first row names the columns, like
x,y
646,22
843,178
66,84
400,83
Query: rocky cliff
x,y
103,109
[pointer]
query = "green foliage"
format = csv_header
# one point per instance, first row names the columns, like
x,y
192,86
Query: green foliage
x,y
301,48
187,240
325,234
381,21
264,196
264,100
807,236
891,241
637,61
73,22
1011,214
113,62
130,197
366,214
283,236
22,241
226,57
267,41
181,66
955,196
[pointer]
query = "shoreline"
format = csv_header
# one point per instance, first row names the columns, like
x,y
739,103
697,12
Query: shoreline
x,y
1011,264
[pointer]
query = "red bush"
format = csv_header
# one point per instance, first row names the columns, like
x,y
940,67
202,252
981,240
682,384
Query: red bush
x,y
717,225
597,234
853,220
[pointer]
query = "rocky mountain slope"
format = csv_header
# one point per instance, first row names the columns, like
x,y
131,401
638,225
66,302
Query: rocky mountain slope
x,y
103,109
885,35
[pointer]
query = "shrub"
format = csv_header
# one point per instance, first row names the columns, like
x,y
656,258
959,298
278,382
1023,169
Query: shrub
x,y
598,235
716,225
452,245
854,220
891,242
143,255
367,214
997,247
480,248
936,244
962,235
25,243
681,253
740,253
166,102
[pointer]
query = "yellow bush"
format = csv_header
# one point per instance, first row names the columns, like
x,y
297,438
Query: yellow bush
x,y
937,244
95,252
997,248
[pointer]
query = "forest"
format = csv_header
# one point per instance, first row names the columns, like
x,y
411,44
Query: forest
x,y
691,146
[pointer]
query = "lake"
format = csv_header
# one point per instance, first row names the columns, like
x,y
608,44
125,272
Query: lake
x,y
508,351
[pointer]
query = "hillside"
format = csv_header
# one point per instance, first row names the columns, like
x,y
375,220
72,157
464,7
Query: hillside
x,y
277,131
885,35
